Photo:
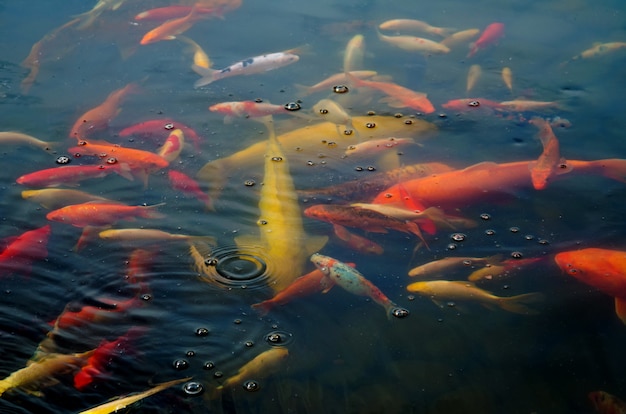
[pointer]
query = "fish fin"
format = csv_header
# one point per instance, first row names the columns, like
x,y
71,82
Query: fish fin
x,y
620,309
518,304
125,171
415,229
392,102
314,244
208,75
262,308
302,90
564,167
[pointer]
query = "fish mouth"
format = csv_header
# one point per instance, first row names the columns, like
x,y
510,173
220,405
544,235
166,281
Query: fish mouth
x,y
244,267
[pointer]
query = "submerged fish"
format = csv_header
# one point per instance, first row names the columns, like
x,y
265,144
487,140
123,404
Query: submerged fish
x,y
550,163
488,37
605,403
54,198
412,24
18,138
262,365
438,267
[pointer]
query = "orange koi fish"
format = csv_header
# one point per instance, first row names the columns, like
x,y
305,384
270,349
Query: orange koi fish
x,y
397,96
365,219
158,126
354,282
507,78
163,14
66,175
107,308
135,160
171,28
603,269
472,104
415,44
101,214
185,184
98,118
605,403
25,249
173,146
488,180
333,80
356,242
489,36
411,24
550,162
306,285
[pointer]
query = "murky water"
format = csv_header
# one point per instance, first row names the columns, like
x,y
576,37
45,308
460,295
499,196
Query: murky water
x,y
345,354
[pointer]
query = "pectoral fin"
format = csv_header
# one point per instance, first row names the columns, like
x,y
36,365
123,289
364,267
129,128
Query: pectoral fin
x,y
564,167
314,244
620,309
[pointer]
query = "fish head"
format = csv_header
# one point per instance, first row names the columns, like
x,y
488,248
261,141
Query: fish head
x,y
323,263
573,263
419,287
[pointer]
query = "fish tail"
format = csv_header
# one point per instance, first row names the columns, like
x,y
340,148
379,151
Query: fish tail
x,y
210,240
414,228
149,212
302,90
208,75
262,308
518,304
613,168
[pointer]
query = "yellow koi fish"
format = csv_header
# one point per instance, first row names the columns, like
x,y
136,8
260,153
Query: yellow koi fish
x,y
438,267
472,77
264,364
353,56
415,44
55,198
139,236
458,38
507,77
420,26
600,49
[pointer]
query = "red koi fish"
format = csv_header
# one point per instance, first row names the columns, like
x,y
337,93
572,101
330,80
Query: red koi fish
x,y
173,146
101,213
306,285
550,162
67,175
472,104
603,269
25,249
354,282
98,118
99,361
139,264
185,184
108,308
605,403
158,126
356,242
397,96
365,219
162,14
486,181
488,37
172,28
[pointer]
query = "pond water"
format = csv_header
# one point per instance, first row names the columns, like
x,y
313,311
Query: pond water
x,y
183,313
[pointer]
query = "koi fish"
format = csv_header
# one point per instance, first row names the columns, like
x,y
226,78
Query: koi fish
x,y
249,66
411,24
66,175
488,180
187,185
600,49
499,268
336,79
362,218
53,198
172,147
98,118
101,213
550,162
157,126
415,44
523,105
200,58
79,316
282,236
22,251
472,77
489,36
331,111
141,235
441,266
354,282
261,366
356,242
123,402
507,78
163,14
308,142
446,290
306,285
88,18
247,109
18,138
472,104
460,37
171,28
353,55
376,145
397,96
605,403
602,269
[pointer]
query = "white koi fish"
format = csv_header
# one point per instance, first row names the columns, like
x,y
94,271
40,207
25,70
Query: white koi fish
x,y
249,66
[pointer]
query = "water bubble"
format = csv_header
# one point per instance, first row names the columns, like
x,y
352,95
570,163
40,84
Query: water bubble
x,y
411,297
190,354
82,143
101,167
274,338
292,106
168,126
398,115
193,388
358,168
517,255
218,374
388,195
473,104
408,121
77,155
371,113
370,168
458,237
348,132
485,216
310,163
251,385
340,89
249,344
332,144
400,313
146,297
450,304
277,158
467,262
529,237
323,111
514,229
370,125
543,242
442,115
490,232
202,331
103,155
258,100
180,364
299,149
208,365
451,246
111,160
237,321
249,183
211,261
63,159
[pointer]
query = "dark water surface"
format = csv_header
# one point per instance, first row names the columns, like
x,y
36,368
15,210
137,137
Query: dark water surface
x,y
345,355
